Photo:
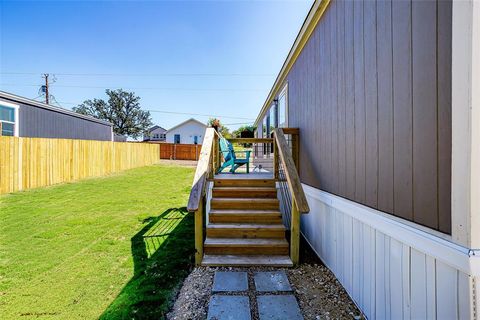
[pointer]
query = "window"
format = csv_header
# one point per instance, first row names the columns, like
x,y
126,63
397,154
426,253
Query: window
x,y
176,138
156,136
8,120
283,108
195,139
273,117
265,127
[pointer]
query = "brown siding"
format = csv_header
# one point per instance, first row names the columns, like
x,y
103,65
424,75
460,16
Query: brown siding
x,y
371,93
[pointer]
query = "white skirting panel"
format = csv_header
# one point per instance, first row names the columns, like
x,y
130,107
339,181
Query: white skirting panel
x,y
391,269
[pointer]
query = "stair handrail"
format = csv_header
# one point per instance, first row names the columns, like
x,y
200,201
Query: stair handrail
x,y
291,173
204,167
207,163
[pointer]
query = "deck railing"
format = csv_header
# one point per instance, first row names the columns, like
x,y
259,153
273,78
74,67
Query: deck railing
x,y
293,197
208,161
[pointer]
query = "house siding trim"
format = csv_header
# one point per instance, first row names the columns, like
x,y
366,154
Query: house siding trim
x,y
17,99
391,270
465,122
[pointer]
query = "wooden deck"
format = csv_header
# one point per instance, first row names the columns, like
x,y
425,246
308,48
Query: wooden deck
x,y
244,176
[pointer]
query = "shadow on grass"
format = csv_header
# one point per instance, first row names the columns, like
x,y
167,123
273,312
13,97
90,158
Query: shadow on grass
x,y
163,253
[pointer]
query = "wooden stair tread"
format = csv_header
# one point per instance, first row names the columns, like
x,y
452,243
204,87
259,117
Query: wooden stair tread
x,y
231,199
247,188
244,226
243,242
245,211
247,260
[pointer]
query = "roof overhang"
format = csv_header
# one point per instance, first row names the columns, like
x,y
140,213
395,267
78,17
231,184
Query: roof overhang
x,y
185,122
14,98
311,21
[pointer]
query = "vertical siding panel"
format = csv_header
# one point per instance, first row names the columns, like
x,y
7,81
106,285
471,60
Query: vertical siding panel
x,y
396,298
341,96
385,106
402,102
380,276
446,291
350,101
359,71
371,173
326,84
340,245
419,285
348,254
406,280
431,284
444,75
333,106
368,286
424,62
463,296
357,260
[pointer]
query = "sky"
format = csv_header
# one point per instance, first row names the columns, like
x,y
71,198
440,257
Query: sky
x,y
183,58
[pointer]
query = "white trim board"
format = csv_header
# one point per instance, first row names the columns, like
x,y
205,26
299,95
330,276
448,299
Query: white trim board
x,y
446,251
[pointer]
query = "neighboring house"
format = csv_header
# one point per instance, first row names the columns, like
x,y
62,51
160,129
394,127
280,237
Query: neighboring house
x,y
386,97
191,131
22,117
119,138
155,133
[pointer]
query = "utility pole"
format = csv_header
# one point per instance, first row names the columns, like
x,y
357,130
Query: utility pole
x,y
46,88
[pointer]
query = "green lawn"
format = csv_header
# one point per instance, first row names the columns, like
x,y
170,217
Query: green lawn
x,y
109,248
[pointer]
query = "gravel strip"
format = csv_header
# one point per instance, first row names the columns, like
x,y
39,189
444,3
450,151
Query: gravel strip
x,y
319,294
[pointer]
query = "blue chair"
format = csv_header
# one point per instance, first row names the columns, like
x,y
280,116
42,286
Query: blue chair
x,y
230,157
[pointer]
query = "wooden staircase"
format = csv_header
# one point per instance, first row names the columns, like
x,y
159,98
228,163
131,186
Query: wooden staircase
x,y
245,225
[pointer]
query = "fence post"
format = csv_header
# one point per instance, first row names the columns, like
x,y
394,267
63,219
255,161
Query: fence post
x,y
295,234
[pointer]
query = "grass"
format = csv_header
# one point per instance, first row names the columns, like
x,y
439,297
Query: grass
x,y
109,248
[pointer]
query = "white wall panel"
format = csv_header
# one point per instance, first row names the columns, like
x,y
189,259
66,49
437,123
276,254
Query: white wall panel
x,y
390,269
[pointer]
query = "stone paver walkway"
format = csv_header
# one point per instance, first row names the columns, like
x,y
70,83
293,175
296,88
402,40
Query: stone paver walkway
x,y
271,293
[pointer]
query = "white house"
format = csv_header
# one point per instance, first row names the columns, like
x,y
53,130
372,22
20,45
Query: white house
x,y
190,131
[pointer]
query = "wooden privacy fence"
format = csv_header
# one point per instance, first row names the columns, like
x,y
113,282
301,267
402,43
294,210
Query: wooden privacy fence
x,y
176,151
36,162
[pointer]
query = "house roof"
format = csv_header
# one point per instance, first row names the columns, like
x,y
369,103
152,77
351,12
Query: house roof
x,y
185,122
155,127
14,98
311,21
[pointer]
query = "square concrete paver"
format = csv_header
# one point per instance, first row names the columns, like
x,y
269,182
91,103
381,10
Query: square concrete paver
x,y
272,281
229,308
278,307
230,281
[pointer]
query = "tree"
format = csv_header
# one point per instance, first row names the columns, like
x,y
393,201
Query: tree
x,y
122,110
224,131
247,130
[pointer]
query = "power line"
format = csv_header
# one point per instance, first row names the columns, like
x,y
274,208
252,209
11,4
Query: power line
x,y
177,112
138,88
149,74
199,114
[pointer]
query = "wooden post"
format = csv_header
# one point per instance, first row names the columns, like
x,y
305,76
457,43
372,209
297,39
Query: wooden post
x,y
199,233
275,160
296,151
295,234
